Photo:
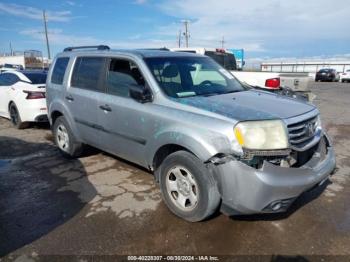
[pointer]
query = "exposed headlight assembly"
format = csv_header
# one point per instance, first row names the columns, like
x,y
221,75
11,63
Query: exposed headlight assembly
x,y
261,135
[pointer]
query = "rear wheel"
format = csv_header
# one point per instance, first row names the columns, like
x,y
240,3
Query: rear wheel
x,y
188,188
16,118
65,140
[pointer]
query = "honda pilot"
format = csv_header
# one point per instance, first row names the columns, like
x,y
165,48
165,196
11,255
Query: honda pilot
x,y
211,143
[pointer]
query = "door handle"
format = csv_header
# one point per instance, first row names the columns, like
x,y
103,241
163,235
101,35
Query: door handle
x,y
106,108
70,98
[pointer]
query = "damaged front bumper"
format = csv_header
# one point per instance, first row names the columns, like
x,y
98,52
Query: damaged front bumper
x,y
272,188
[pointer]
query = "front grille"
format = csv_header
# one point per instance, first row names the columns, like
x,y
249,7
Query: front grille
x,y
301,133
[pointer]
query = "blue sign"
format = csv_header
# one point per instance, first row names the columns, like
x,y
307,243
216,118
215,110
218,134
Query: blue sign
x,y
239,54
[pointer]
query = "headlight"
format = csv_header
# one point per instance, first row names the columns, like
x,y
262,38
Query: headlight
x,y
261,135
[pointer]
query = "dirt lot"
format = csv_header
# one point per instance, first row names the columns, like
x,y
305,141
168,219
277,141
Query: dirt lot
x,y
100,205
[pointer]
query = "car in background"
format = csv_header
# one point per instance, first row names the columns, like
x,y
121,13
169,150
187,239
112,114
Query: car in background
x,y
22,97
345,77
326,74
10,67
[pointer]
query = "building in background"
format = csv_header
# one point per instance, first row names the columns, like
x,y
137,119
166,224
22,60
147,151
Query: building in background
x,y
29,59
305,66
239,55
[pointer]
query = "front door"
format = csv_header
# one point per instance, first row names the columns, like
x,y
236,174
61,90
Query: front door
x,y
125,122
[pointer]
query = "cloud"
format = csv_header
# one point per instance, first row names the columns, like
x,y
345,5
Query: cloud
x,y
58,38
34,13
258,24
140,2
71,3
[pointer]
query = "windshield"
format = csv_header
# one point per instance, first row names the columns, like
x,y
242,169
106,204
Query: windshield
x,y
192,76
325,70
226,60
36,78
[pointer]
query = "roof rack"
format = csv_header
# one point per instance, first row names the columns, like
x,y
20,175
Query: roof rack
x,y
161,49
98,47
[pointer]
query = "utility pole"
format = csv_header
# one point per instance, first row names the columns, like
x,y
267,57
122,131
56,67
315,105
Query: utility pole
x,y
179,39
223,42
46,36
11,50
186,33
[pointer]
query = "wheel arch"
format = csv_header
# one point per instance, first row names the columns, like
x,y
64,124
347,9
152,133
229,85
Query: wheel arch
x,y
54,115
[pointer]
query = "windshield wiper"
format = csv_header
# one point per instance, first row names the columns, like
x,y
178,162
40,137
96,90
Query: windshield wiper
x,y
212,94
232,91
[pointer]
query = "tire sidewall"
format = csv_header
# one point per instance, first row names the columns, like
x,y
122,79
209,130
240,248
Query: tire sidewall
x,y
19,124
62,121
199,173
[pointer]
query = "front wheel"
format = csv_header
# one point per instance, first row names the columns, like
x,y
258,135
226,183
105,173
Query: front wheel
x,y
65,140
188,188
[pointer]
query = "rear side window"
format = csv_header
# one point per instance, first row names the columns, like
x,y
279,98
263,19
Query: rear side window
x,y
8,79
59,70
87,73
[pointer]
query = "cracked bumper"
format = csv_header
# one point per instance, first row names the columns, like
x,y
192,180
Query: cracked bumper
x,y
246,190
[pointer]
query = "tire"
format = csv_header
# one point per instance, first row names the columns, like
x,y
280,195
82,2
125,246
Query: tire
x,y
197,186
16,118
65,139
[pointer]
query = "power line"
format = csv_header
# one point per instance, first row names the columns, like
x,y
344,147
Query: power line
x,y
46,35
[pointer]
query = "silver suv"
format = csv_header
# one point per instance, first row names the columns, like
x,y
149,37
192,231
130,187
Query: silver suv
x,y
210,142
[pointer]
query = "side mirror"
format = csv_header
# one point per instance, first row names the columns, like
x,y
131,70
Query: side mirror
x,y
140,94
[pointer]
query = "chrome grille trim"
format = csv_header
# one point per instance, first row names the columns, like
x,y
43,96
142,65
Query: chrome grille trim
x,y
303,133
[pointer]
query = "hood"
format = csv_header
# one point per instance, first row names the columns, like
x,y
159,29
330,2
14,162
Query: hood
x,y
249,105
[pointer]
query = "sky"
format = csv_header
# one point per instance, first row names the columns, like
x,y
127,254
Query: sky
x,y
265,29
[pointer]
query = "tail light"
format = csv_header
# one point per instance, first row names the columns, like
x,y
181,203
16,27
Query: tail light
x,y
220,50
273,83
34,94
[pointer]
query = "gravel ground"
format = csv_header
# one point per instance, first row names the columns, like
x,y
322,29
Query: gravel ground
x,y
101,205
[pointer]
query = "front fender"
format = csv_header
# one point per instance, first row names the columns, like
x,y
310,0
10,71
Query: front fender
x,y
203,146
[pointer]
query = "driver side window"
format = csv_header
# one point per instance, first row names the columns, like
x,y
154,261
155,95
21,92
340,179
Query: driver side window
x,y
122,74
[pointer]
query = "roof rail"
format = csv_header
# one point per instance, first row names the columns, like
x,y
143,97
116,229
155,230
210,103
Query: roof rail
x,y
161,49
98,47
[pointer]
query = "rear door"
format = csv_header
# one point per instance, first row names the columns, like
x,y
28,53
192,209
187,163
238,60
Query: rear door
x,y
82,94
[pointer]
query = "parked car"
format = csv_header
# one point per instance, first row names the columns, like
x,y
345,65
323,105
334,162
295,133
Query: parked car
x,y
345,77
326,74
210,142
22,97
